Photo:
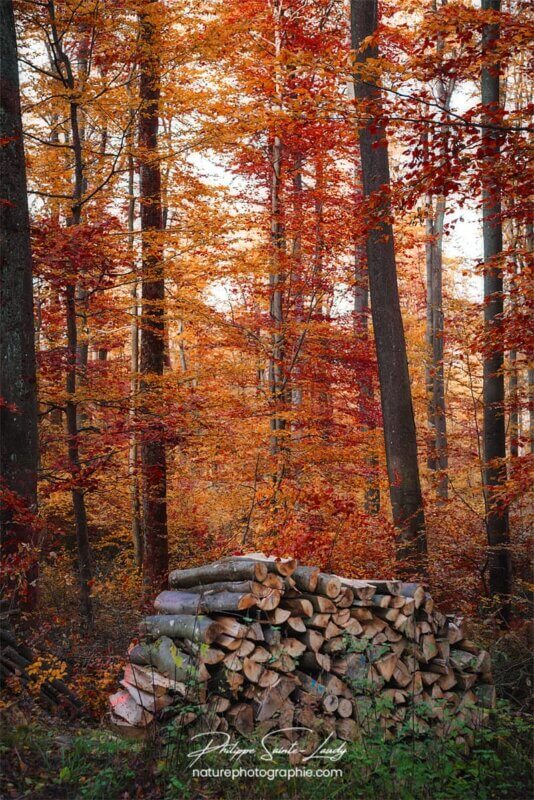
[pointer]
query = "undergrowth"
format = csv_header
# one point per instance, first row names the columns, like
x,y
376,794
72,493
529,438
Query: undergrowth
x,y
42,763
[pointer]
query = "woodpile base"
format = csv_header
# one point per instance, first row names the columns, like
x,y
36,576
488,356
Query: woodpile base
x,y
255,644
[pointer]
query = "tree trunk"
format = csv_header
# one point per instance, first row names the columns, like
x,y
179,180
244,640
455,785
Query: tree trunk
x,y
435,379
529,241
18,386
361,306
76,355
437,459
277,279
152,362
494,434
137,533
395,393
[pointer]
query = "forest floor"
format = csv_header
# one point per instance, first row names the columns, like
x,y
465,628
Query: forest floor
x,y
65,757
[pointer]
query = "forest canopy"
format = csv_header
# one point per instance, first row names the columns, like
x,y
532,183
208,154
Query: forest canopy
x,y
266,286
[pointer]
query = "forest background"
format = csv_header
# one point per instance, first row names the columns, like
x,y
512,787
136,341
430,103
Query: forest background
x,y
213,189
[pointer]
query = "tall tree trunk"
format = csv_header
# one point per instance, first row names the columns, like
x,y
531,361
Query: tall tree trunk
x,y
513,389
494,434
18,385
437,458
137,533
277,278
152,360
277,281
361,307
297,286
435,378
76,355
395,393
323,413
529,241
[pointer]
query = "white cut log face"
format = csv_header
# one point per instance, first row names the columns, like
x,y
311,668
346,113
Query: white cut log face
x,y
124,706
149,701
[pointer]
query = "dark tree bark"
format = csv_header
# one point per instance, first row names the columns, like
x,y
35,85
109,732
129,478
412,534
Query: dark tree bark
x,y
135,501
18,386
76,350
395,393
361,315
277,283
437,458
152,356
494,432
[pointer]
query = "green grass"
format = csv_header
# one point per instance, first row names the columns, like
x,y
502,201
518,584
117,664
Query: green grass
x,y
42,763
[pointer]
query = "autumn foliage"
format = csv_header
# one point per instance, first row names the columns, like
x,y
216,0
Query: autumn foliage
x,y
268,404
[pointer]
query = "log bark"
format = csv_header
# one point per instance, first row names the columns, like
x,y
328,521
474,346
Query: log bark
x,y
219,571
196,628
173,602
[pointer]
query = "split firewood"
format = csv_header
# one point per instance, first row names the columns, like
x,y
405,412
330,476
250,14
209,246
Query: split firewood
x,y
288,644
341,617
361,614
319,603
252,669
318,621
228,642
219,704
260,654
283,566
271,600
387,587
299,607
334,646
352,627
332,630
347,729
148,701
278,616
387,665
245,648
312,639
255,632
274,581
345,598
306,578
231,627
148,680
124,706
315,662
233,662
268,678
328,585
272,636
296,624
241,717
363,590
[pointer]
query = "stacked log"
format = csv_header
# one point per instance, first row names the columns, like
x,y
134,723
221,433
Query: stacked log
x,y
260,643
19,664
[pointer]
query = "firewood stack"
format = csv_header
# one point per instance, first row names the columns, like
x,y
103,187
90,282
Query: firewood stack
x,y
257,643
